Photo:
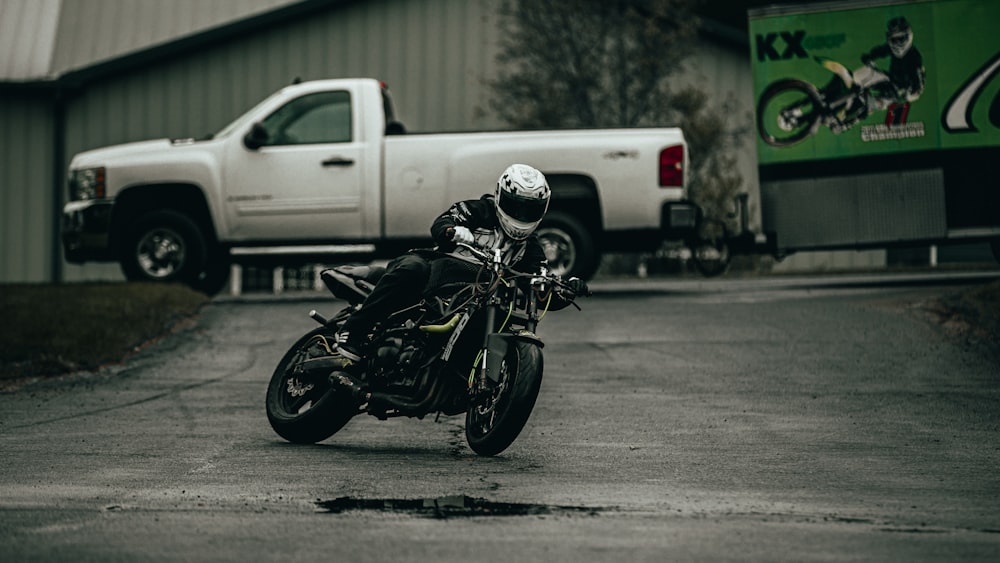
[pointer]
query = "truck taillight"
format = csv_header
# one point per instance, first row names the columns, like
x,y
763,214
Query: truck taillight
x,y
672,167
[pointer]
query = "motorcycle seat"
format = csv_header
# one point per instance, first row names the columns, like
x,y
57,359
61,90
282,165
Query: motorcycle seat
x,y
350,282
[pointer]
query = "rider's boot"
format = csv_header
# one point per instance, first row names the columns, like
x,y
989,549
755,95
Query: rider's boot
x,y
350,349
349,346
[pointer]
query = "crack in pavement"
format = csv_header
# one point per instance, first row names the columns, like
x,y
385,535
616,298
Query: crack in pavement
x,y
251,359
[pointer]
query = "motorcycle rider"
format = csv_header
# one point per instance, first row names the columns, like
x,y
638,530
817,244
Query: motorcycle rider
x,y
902,83
505,219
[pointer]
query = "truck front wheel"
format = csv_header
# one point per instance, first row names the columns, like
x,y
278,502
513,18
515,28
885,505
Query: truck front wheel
x,y
164,246
569,247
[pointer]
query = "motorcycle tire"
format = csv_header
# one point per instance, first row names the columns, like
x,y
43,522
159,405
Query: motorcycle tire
x,y
780,96
491,425
303,408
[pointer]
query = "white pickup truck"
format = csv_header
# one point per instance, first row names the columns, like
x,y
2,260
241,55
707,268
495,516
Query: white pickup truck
x,y
321,171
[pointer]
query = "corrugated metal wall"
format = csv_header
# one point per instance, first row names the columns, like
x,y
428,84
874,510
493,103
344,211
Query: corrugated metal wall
x,y
432,53
27,198
96,30
27,38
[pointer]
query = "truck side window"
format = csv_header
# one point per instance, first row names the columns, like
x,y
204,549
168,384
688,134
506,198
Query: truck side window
x,y
323,117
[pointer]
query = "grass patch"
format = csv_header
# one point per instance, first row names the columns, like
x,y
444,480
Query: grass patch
x,y
52,329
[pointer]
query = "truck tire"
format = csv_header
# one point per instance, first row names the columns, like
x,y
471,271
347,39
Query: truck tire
x,y
569,246
163,246
710,250
216,272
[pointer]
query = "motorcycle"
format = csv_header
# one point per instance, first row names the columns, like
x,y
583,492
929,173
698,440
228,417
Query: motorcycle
x,y
465,347
791,110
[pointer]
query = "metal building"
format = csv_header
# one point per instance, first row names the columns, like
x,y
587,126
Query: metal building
x,y
80,74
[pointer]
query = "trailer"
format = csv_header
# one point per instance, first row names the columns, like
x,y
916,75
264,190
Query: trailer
x,y
877,123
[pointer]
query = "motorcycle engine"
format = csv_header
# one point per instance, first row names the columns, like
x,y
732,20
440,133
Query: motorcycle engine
x,y
396,362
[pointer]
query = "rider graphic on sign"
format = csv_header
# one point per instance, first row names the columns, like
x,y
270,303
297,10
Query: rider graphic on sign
x,y
891,90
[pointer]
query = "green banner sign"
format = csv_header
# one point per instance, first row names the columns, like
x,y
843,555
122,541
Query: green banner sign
x,y
862,78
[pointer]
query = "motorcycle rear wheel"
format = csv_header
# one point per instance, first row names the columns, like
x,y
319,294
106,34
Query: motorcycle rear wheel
x,y
494,423
305,408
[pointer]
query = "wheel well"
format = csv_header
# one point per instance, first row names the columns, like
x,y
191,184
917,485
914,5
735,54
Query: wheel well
x,y
576,195
184,198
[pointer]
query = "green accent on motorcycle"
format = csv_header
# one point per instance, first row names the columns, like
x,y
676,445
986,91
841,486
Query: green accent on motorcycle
x,y
446,327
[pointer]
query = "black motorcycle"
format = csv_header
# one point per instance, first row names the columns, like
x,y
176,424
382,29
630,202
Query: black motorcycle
x,y
465,347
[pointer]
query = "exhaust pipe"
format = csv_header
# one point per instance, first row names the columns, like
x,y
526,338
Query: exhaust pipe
x,y
405,405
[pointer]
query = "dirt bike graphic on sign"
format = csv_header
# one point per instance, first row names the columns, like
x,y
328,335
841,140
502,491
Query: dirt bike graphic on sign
x,y
791,110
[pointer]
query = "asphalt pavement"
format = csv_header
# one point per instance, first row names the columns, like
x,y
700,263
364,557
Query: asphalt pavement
x,y
782,418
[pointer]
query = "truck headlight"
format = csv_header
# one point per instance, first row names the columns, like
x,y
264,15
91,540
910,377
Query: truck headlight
x,y
87,183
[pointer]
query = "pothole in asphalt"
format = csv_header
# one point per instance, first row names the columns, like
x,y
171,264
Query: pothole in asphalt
x,y
457,506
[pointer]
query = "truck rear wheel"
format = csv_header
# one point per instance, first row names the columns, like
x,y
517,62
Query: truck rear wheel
x,y
569,247
163,246
214,276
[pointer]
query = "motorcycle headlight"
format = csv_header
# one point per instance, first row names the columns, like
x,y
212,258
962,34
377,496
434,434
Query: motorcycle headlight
x,y
87,183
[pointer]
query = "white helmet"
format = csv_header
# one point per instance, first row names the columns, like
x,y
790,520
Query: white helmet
x,y
522,198
899,35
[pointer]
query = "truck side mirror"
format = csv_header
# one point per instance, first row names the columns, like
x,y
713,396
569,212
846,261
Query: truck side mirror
x,y
257,137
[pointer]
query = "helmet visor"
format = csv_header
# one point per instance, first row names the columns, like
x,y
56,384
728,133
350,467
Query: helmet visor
x,y
899,39
528,210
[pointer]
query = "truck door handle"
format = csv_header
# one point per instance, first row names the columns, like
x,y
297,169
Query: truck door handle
x,y
338,161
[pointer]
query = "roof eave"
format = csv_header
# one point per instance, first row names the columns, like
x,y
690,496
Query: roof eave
x,y
80,77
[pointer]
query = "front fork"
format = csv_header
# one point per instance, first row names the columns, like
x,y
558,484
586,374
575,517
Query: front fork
x,y
491,353
486,373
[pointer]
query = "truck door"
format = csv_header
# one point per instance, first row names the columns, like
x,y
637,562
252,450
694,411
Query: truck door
x,y
304,180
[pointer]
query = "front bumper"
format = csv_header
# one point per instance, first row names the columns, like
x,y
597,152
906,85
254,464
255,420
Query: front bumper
x,y
86,227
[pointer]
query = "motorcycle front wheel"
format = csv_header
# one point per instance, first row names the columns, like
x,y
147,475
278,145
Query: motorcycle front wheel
x,y
302,406
789,111
494,422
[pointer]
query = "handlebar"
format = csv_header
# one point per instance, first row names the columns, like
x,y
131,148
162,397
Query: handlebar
x,y
491,256
482,253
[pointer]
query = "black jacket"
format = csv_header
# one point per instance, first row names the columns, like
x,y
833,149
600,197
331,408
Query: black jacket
x,y
480,217
906,74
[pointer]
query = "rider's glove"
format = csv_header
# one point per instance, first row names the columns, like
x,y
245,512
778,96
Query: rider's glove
x,y
866,59
463,235
578,286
